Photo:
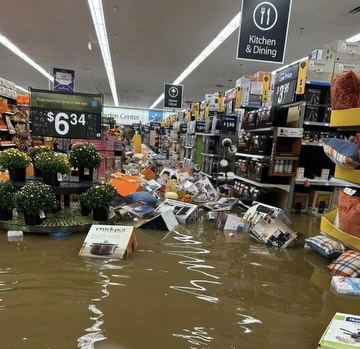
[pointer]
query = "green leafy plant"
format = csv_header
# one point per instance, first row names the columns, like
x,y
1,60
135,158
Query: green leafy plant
x,y
101,195
7,194
13,158
53,161
84,155
37,150
85,200
35,197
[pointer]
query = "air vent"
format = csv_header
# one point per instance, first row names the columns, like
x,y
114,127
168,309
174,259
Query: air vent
x,y
354,11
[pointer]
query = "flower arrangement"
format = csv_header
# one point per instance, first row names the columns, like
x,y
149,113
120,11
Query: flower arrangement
x,y
35,151
35,197
13,158
84,155
52,161
85,200
101,195
7,193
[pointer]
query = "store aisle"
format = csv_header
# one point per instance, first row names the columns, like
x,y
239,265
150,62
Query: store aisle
x,y
196,287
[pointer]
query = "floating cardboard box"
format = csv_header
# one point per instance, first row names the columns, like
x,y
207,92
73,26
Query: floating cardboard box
x,y
184,212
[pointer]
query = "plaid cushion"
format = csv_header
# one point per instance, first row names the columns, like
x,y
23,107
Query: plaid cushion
x,y
348,265
341,152
325,246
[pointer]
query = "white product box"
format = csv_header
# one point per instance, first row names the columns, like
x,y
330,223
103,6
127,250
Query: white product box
x,y
290,132
325,174
342,51
320,71
244,83
316,55
300,173
341,67
256,88
300,203
184,212
319,202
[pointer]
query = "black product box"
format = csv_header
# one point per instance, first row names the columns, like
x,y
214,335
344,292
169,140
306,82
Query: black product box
x,y
261,144
244,143
312,96
242,167
249,120
311,114
326,116
255,99
268,117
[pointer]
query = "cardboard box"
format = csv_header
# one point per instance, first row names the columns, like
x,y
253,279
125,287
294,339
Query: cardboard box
x,y
109,241
316,55
256,88
320,71
347,174
184,212
342,51
319,202
300,203
341,67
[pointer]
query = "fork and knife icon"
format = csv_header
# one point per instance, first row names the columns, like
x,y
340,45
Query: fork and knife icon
x,y
263,11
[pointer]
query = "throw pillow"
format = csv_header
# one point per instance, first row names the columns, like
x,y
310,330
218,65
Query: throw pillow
x,y
327,247
348,265
345,90
341,152
349,213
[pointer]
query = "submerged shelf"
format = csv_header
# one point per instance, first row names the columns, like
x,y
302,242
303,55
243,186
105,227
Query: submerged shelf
x,y
255,156
285,187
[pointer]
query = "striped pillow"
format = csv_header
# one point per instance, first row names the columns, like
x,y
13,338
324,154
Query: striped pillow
x,y
348,265
327,247
341,152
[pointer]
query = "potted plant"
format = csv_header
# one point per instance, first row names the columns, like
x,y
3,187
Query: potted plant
x,y
51,163
85,157
85,203
100,198
15,161
7,203
34,200
33,153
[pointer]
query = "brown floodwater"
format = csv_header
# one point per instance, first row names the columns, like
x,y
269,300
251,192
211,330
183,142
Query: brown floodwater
x,y
196,287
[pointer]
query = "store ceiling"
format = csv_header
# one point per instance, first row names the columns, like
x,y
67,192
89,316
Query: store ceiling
x,y
152,42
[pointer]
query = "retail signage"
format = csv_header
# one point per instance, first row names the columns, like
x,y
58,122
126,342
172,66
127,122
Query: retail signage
x,y
65,115
229,124
136,127
199,126
285,85
183,128
155,125
145,129
263,30
156,115
173,96
64,80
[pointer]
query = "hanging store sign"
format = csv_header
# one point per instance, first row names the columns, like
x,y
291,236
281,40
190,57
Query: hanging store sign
x,y
263,30
65,115
285,85
173,96
64,80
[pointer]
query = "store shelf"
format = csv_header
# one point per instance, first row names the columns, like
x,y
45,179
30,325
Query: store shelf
x,y
8,145
211,155
318,83
312,144
266,129
210,134
284,187
206,174
332,182
345,117
254,156
315,123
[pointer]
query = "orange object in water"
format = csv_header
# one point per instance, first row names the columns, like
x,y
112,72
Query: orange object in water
x,y
148,173
125,184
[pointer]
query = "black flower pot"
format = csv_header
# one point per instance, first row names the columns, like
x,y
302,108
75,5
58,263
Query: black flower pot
x,y
50,178
32,219
85,173
17,174
100,213
5,214
85,211
37,172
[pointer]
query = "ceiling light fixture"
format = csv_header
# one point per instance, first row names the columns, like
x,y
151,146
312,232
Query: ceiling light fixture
x,y
7,43
354,38
97,14
220,38
22,89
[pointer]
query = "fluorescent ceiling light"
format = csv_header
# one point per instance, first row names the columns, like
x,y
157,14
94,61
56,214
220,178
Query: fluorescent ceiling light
x,y
97,14
354,38
7,43
22,89
220,38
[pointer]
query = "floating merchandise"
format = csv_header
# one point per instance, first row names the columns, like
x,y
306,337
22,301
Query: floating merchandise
x,y
139,209
342,333
109,241
346,285
164,220
184,212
